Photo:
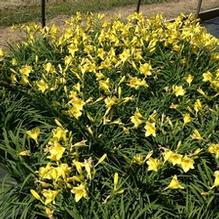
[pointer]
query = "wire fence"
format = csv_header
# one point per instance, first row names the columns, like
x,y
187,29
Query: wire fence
x,y
139,3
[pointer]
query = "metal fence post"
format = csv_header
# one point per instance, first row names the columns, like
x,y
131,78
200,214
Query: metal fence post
x,y
43,11
198,7
138,6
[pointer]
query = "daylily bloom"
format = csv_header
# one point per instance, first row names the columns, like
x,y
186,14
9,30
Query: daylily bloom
x,y
42,85
216,180
138,159
187,163
207,76
214,149
56,151
178,90
174,184
197,105
187,118
50,195
59,134
25,70
136,119
49,213
34,134
150,129
153,164
80,192
145,69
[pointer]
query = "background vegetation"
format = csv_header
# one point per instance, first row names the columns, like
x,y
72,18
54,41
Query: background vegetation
x,y
24,11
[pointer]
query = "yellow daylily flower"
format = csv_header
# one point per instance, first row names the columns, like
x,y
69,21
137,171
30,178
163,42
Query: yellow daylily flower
x,y
80,192
136,119
78,165
42,85
77,102
110,101
50,195
59,133
54,173
74,112
150,129
187,163
207,76
214,149
178,90
138,159
26,70
56,151
135,82
24,81
105,85
34,134
216,180
175,158
174,184
145,69
49,68
116,189
44,172
153,164
187,118
49,213
197,105
125,55
63,171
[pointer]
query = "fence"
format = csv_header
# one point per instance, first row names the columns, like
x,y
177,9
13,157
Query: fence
x,y
206,15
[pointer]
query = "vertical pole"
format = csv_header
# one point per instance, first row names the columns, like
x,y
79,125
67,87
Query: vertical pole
x,y
138,6
198,7
43,11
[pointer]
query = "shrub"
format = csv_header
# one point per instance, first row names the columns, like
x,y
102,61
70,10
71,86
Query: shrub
x,y
124,120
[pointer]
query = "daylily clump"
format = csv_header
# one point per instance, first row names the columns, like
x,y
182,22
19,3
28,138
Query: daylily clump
x,y
140,97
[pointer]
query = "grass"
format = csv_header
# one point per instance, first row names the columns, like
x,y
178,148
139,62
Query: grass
x,y
19,15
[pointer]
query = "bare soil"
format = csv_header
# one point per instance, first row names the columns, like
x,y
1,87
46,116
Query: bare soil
x,y
167,9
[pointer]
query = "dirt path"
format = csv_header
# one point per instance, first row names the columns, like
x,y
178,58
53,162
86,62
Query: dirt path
x,y
167,9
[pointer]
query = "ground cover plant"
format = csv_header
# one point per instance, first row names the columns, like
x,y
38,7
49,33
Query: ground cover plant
x,y
114,119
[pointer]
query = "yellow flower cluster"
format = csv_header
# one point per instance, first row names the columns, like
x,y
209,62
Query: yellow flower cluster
x,y
59,175
139,79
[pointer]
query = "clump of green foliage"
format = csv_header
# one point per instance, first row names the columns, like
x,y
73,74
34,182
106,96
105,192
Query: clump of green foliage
x,y
111,119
